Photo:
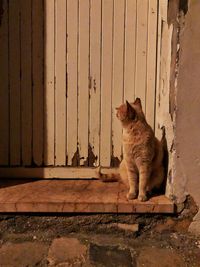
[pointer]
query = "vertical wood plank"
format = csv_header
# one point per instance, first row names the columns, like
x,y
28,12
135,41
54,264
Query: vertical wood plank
x,y
130,46
141,51
158,62
118,76
151,62
14,75
95,69
26,81
72,78
60,85
4,86
163,6
38,79
106,82
49,83
83,81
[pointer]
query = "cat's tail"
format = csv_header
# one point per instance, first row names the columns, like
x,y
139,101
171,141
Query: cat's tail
x,y
165,157
108,177
163,139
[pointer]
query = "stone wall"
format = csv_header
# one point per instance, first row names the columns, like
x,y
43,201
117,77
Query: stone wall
x,y
178,100
187,143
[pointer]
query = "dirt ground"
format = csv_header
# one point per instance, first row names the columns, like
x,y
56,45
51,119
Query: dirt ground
x,y
97,240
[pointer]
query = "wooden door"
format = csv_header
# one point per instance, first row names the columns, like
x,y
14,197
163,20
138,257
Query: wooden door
x,y
66,65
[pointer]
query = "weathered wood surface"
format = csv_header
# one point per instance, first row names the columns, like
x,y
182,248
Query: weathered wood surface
x,y
72,79
53,172
60,82
78,60
14,75
118,75
49,82
141,51
106,82
38,79
151,62
83,82
130,49
26,82
95,82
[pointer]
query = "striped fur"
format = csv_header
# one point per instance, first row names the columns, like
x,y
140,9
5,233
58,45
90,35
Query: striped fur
x,y
142,168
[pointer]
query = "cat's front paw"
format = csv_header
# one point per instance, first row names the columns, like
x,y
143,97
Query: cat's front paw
x,y
131,195
142,198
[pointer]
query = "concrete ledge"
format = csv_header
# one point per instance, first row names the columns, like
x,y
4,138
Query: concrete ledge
x,y
79,196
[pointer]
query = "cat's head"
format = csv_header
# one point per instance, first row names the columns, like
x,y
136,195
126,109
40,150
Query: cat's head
x,y
130,111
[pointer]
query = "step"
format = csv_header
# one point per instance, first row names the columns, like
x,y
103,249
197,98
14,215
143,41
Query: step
x,y
74,196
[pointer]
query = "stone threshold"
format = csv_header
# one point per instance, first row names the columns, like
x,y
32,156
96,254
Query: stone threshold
x,y
74,196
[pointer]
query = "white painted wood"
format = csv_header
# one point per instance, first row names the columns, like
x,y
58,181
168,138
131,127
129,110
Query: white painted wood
x,y
83,81
130,49
151,62
53,172
60,84
107,58
141,51
26,82
95,83
162,112
158,63
49,86
118,75
106,82
14,79
72,78
37,75
163,4
4,91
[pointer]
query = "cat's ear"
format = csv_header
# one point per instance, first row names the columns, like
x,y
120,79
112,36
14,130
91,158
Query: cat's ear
x,y
130,110
138,102
128,105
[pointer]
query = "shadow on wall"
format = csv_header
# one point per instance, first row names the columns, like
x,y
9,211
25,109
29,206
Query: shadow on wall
x,y
22,92
28,128
165,163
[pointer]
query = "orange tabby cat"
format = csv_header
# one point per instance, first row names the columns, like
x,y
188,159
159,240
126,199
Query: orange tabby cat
x,y
142,166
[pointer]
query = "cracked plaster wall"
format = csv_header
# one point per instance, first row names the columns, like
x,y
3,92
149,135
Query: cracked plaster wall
x,y
178,99
167,54
187,144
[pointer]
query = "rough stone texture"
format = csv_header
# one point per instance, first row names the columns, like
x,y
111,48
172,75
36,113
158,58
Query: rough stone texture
x,y
155,257
70,236
110,256
65,251
22,254
195,225
128,227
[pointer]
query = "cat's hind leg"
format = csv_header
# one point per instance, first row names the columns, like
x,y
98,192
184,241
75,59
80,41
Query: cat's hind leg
x,y
157,181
